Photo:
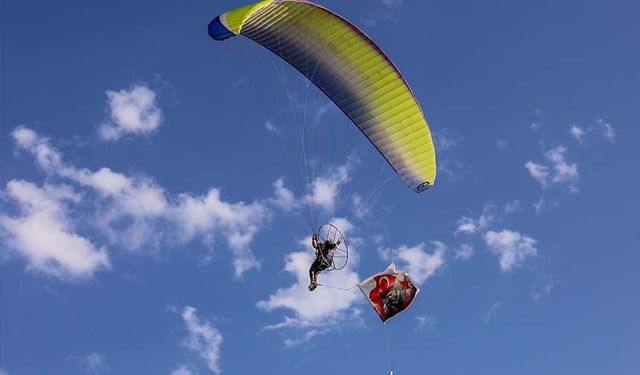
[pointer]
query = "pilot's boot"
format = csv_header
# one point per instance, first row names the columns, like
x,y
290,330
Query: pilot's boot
x,y
314,284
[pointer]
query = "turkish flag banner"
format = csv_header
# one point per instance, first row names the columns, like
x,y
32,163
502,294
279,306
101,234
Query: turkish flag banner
x,y
389,292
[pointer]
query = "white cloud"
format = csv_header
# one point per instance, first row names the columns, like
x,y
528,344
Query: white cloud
x,y
387,11
325,189
203,339
416,261
539,172
46,157
136,213
444,140
96,364
564,172
49,159
606,129
426,322
577,132
105,181
305,338
44,233
181,370
284,198
453,168
544,291
131,112
512,248
599,126
320,110
512,207
207,215
132,217
491,313
393,3
468,225
449,166
544,203
464,252
271,128
559,171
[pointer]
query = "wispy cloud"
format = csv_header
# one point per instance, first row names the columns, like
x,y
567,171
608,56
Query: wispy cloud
x,y
387,11
322,192
132,111
599,126
539,172
491,313
558,170
511,247
444,140
325,189
464,252
181,370
544,203
606,129
271,127
284,198
135,212
450,165
96,364
305,338
512,207
577,132
564,172
203,338
426,322
208,214
417,261
393,3
543,290
468,225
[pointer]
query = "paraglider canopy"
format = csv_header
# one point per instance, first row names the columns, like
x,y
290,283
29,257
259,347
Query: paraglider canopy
x,y
351,70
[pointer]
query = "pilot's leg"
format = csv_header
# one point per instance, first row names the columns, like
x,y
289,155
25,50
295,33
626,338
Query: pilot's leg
x,y
313,274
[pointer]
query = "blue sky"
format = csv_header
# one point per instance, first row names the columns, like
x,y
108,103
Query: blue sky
x,y
150,223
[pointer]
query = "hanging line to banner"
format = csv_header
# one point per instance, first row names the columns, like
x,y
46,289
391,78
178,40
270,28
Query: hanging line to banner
x,y
350,290
386,342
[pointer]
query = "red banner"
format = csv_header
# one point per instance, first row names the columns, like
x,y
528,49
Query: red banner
x,y
389,292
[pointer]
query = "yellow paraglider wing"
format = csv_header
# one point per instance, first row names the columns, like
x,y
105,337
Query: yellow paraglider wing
x,y
351,70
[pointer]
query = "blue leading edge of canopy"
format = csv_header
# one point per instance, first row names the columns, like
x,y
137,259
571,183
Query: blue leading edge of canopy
x,y
218,31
